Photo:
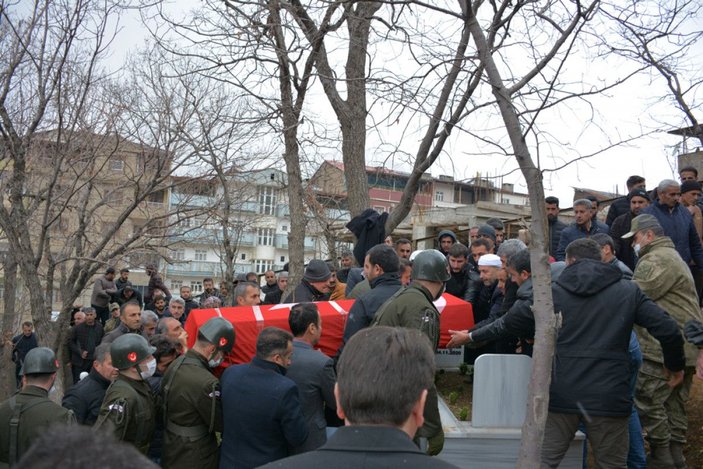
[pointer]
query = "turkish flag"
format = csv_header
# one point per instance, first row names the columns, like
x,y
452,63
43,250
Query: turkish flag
x,y
248,321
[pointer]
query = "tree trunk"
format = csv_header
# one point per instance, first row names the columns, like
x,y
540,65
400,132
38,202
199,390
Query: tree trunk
x,y
354,157
543,309
10,322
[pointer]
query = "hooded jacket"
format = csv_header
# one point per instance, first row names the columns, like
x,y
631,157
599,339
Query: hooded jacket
x,y
666,279
364,309
441,235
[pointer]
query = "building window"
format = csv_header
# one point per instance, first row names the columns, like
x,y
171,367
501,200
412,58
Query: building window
x,y
244,257
196,286
284,228
179,254
262,265
439,196
267,200
265,236
200,255
116,164
283,258
176,285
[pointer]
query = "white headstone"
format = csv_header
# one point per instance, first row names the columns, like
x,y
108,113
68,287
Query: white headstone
x,y
500,390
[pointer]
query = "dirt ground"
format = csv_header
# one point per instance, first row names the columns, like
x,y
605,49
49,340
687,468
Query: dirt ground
x,y
451,382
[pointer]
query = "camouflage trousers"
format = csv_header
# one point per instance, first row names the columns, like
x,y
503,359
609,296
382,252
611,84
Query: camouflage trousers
x,y
662,410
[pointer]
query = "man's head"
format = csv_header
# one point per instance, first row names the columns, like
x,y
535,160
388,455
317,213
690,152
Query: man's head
x,y
177,307
124,274
473,234
479,248
252,277
582,212
688,173
552,205
488,267
644,229
346,260
305,322
79,318
690,193
39,367
638,199
270,277
607,246
388,240
186,293
215,339
518,266
499,228
584,248
406,270
130,315
159,302
150,269
247,294
382,394
635,182
208,284
102,362
275,345
282,281
27,328
110,273
457,256
508,248
127,291
114,310
487,232
317,274
166,351
171,328
90,315
594,206
332,281
148,321
669,192
446,238
403,247
380,259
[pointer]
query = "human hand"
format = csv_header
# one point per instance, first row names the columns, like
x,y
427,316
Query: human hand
x,y
459,338
84,354
675,377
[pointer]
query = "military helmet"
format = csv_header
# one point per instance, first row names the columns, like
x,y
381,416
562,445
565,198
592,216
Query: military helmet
x,y
128,350
40,360
431,265
220,332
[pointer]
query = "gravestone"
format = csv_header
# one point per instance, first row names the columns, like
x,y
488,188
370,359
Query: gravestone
x,y
500,390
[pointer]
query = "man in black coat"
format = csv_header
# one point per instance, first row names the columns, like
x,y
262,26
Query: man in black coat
x,y
85,397
637,199
381,267
592,372
460,284
622,205
556,226
315,286
382,407
83,339
274,296
21,345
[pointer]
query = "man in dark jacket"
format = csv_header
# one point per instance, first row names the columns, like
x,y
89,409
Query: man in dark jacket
x,y
123,280
313,372
591,378
381,268
556,226
460,284
622,205
274,297
130,322
155,283
445,240
127,294
382,407
83,339
638,200
85,397
190,303
584,226
21,345
255,431
677,222
315,286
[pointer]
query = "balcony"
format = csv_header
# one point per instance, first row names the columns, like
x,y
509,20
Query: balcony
x,y
282,210
281,241
204,268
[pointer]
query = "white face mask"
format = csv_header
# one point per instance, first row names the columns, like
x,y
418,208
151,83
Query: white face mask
x,y
216,360
150,370
637,248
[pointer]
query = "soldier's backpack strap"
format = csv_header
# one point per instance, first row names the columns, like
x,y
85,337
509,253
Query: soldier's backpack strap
x,y
382,310
17,410
168,382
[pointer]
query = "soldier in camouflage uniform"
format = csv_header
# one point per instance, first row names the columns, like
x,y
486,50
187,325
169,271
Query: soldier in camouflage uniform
x,y
663,276
191,400
129,410
413,308
28,413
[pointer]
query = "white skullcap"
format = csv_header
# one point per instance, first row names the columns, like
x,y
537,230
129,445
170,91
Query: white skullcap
x,y
490,260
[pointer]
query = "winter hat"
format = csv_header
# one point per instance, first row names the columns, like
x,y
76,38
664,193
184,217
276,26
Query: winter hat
x,y
317,271
639,192
487,231
444,233
688,186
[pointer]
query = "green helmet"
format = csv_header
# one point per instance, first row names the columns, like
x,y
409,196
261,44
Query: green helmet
x,y
128,350
431,265
40,360
220,332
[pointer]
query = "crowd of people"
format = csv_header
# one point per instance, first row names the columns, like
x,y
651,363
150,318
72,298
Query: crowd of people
x,y
627,292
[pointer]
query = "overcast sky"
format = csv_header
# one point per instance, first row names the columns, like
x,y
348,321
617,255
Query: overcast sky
x,y
569,131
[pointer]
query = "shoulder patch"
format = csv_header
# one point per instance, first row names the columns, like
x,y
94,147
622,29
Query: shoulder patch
x,y
116,408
